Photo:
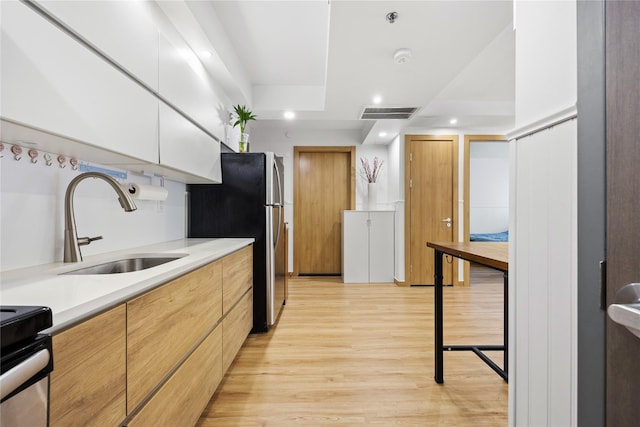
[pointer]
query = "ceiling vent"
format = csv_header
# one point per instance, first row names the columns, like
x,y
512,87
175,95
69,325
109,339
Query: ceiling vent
x,y
381,113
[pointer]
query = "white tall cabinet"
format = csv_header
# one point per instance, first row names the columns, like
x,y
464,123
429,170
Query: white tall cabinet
x,y
368,246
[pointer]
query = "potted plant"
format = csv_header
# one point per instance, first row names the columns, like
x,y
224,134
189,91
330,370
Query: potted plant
x,y
243,116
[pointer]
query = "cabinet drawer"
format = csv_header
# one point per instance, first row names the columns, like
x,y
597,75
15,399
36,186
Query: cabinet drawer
x,y
89,377
164,324
181,400
235,328
237,276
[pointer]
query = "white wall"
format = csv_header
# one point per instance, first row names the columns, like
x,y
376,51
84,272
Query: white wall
x,y
396,197
32,213
488,187
264,139
546,61
543,249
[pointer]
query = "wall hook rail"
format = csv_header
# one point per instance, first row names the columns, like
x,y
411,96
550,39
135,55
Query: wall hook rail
x,y
17,152
34,155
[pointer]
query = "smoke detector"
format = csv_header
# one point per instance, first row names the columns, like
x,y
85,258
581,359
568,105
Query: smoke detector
x,y
402,55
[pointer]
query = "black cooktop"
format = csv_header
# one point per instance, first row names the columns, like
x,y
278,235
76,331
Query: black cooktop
x,y
21,323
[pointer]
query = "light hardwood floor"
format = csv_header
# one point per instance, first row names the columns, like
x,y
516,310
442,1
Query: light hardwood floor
x,y
362,355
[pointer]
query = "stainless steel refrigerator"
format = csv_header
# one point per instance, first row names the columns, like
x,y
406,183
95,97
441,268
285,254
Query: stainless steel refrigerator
x,y
248,203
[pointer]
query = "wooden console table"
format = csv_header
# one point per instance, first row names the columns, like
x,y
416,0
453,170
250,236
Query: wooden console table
x,y
491,254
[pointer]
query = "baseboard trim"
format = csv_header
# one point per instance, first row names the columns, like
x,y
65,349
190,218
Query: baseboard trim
x,y
400,283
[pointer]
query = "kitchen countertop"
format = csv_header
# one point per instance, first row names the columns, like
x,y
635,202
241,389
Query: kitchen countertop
x,y
74,298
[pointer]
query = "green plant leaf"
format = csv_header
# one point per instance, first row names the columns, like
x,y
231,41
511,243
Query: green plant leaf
x,y
243,115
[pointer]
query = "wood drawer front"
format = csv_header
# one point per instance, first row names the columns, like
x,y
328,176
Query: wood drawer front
x,y
235,329
89,377
181,400
164,324
237,276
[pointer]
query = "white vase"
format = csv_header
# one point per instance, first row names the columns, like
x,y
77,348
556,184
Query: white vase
x,y
372,196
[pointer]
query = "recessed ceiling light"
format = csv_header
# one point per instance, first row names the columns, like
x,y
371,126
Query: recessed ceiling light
x,y
289,115
382,134
453,121
377,99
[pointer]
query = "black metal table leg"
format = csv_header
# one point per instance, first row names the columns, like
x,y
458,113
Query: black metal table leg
x,y
506,323
438,317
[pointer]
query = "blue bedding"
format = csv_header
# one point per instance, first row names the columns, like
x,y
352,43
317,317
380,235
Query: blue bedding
x,y
490,237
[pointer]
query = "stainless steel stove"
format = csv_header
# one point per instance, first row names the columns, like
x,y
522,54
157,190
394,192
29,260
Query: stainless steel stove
x,y
26,361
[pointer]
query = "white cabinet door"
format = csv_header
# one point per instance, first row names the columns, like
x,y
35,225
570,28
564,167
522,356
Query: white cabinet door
x,y
185,147
184,83
368,246
355,258
381,244
53,83
123,30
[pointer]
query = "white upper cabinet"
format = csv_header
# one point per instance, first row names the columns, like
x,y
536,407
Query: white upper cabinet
x,y
185,147
52,82
184,83
123,30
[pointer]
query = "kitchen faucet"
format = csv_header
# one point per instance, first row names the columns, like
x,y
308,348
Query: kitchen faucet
x,y
72,242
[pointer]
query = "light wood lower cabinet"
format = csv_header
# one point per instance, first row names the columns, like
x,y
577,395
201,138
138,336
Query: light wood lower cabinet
x,y
166,323
181,400
158,359
237,277
235,328
88,383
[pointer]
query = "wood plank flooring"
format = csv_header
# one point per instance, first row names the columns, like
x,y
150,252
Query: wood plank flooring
x,y
362,355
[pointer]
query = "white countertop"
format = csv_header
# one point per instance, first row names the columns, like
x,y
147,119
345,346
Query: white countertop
x,y
73,298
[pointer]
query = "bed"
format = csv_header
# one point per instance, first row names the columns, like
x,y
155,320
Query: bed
x,y
502,236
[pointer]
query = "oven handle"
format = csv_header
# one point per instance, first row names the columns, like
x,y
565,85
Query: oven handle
x,y
20,374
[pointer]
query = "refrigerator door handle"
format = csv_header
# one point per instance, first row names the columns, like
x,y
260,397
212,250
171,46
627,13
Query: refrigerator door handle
x,y
279,204
277,239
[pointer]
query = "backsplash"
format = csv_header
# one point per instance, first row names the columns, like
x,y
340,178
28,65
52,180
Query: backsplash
x,y
32,213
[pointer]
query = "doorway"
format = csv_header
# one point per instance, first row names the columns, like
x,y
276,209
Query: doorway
x,y
486,188
324,185
431,194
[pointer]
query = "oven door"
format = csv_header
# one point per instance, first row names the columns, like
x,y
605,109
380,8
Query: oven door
x,y
24,384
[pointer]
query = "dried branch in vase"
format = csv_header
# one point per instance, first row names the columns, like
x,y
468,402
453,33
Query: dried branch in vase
x,y
369,172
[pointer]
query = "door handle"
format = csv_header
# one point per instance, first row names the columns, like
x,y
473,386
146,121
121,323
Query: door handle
x,y
18,375
448,221
626,310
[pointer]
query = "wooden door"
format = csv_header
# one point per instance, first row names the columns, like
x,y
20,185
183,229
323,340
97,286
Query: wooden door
x,y
431,212
623,203
324,186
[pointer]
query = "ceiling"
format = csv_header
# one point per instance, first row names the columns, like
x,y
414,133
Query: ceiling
x,y
327,60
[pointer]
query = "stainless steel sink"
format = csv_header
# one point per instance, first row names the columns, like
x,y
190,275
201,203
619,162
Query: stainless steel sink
x,y
126,265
